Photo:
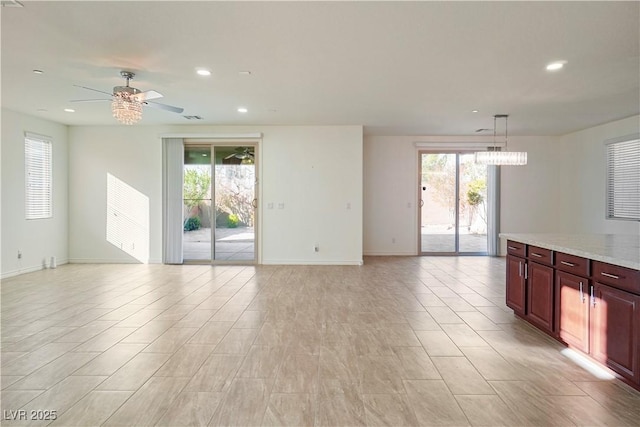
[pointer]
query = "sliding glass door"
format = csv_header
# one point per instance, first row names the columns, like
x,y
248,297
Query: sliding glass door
x,y
219,203
453,206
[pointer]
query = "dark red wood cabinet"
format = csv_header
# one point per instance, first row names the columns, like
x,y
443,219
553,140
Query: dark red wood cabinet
x,y
516,292
540,299
615,330
589,305
572,310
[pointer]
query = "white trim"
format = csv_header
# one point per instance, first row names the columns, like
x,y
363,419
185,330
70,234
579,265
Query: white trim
x,y
305,262
256,135
402,253
469,145
37,136
26,270
112,261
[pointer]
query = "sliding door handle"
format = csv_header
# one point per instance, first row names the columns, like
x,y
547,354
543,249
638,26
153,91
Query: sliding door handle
x,y
254,203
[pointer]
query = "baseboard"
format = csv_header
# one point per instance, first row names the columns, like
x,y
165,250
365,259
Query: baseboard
x,y
308,262
111,261
26,270
103,261
376,253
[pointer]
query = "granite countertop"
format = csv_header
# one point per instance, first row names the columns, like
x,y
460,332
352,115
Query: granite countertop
x,y
617,249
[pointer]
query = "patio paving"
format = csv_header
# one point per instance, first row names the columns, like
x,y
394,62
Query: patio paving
x,y
232,244
441,242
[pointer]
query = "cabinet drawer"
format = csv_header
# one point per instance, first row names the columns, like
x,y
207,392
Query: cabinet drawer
x,y
516,248
616,276
540,255
572,264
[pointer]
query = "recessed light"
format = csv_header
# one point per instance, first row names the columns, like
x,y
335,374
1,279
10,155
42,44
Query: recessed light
x,y
244,73
69,110
242,110
474,111
556,65
203,72
41,110
38,72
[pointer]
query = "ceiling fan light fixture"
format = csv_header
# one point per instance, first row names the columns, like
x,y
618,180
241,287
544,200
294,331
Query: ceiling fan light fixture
x,y
126,108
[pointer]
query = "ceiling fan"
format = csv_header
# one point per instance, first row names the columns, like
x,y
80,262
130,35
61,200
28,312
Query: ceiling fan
x,y
127,101
242,153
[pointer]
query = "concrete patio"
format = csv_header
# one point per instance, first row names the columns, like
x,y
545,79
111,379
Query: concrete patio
x,y
232,244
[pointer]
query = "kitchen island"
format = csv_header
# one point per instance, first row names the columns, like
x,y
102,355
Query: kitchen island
x,y
583,290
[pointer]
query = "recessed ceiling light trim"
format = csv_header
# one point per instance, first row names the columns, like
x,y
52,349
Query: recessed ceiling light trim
x,y
203,72
555,65
242,110
38,72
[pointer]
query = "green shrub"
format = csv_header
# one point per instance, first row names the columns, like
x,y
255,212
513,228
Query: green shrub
x,y
474,193
233,220
192,223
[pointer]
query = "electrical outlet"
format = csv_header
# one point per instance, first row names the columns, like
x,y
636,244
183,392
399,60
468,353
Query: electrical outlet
x,y
393,240
316,247
19,254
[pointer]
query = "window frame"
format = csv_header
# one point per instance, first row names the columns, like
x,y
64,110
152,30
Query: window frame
x,y
610,184
38,161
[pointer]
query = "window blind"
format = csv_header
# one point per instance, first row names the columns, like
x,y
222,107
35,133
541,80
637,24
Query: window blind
x,y
38,155
623,178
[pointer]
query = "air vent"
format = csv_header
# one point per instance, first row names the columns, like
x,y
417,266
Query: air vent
x,y
193,117
11,3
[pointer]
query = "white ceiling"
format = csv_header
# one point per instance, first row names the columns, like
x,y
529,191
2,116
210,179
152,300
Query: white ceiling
x,y
398,68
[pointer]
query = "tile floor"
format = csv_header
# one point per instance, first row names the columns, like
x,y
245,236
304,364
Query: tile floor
x,y
398,341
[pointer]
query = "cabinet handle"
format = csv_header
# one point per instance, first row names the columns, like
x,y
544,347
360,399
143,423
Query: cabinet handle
x,y
581,293
613,276
526,270
513,248
536,255
520,268
570,264
593,298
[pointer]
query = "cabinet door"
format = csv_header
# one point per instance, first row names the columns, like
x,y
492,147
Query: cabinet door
x,y
572,310
516,284
540,295
615,330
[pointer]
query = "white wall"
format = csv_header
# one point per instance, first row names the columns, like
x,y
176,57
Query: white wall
x,y
584,179
38,240
390,195
391,189
314,171
532,196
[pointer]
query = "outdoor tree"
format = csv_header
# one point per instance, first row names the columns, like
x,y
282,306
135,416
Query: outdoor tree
x,y
234,191
197,183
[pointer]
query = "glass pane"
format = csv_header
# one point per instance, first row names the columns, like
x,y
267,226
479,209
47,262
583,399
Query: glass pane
x,y
235,180
196,239
438,188
473,205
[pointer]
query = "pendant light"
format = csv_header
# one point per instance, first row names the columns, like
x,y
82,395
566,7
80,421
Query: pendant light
x,y
494,156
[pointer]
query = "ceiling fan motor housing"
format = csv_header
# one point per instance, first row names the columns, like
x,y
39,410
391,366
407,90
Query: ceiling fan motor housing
x,y
126,89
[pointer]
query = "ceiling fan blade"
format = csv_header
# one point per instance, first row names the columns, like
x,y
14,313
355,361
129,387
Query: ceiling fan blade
x,y
90,100
150,94
164,107
95,90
